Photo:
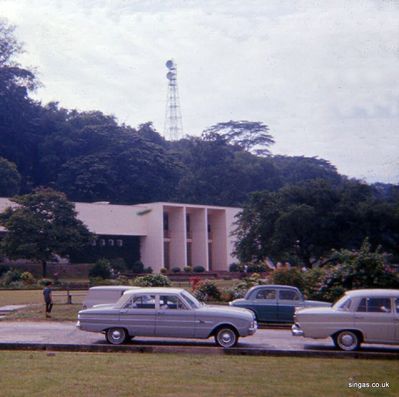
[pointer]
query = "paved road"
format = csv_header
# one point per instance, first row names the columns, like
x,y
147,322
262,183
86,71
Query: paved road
x,y
66,333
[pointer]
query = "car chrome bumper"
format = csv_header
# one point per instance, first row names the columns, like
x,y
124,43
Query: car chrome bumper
x,y
78,324
252,329
296,330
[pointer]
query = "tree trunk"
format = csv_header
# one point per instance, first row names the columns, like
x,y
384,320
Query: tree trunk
x,y
44,269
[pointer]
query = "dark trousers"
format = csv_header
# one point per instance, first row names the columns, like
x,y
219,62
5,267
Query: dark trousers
x,y
49,306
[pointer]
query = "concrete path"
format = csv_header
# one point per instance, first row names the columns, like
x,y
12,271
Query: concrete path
x,y
65,333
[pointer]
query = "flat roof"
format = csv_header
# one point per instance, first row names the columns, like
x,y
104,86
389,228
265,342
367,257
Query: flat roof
x,y
103,218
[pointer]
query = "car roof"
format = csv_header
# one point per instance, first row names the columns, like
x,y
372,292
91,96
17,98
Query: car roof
x,y
275,286
374,292
113,287
155,290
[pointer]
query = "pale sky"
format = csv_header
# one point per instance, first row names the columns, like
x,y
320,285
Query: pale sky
x,y
323,75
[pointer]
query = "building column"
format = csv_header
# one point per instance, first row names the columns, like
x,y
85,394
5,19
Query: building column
x,y
199,234
177,235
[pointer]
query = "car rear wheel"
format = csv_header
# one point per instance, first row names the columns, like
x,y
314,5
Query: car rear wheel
x,y
116,336
347,340
226,337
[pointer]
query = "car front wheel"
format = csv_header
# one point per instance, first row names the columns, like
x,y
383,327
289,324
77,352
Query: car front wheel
x,y
226,337
347,340
116,336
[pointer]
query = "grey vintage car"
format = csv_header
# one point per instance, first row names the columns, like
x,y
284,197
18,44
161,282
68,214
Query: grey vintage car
x,y
360,316
167,312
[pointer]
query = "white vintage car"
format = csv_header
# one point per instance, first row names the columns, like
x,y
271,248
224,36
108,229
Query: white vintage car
x,y
360,316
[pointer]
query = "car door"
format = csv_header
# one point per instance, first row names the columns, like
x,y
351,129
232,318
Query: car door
x,y
375,318
288,299
139,315
264,303
174,317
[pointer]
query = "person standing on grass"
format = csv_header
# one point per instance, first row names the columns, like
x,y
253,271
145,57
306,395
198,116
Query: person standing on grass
x,y
48,298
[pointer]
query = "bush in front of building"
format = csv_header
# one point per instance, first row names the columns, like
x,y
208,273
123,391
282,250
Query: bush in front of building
x,y
256,268
11,276
240,288
136,267
188,269
235,267
207,290
176,269
118,264
101,269
164,270
152,280
4,269
27,278
198,269
293,276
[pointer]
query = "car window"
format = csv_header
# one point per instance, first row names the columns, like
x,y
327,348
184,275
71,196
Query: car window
x,y
375,305
288,295
171,302
344,304
141,302
192,301
266,294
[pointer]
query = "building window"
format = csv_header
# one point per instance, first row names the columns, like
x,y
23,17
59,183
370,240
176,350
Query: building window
x,y
209,232
210,256
111,242
189,255
102,242
166,225
119,243
166,254
188,226
93,243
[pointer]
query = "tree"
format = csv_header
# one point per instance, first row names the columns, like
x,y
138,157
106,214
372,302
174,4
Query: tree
x,y
42,224
216,172
251,136
18,113
10,179
304,222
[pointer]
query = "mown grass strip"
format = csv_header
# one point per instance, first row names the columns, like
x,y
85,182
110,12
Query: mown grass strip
x,y
152,375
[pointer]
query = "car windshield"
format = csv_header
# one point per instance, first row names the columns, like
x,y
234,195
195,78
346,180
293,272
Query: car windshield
x,y
191,300
343,303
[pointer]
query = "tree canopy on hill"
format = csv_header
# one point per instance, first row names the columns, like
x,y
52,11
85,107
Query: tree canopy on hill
x,y
91,157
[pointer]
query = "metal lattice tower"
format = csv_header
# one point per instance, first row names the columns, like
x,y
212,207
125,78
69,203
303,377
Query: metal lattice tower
x,y
173,121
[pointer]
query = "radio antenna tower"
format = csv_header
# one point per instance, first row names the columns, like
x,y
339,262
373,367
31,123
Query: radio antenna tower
x,y
173,120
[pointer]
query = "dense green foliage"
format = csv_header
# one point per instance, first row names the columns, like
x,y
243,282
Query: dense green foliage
x,y
302,223
10,179
41,225
152,280
346,270
101,269
207,290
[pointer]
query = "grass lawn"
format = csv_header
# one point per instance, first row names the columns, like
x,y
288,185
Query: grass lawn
x,y
35,310
97,374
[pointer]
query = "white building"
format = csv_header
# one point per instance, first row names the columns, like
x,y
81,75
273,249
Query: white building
x,y
164,234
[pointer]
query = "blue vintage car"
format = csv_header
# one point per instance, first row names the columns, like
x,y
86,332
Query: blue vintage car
x,y
275,303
